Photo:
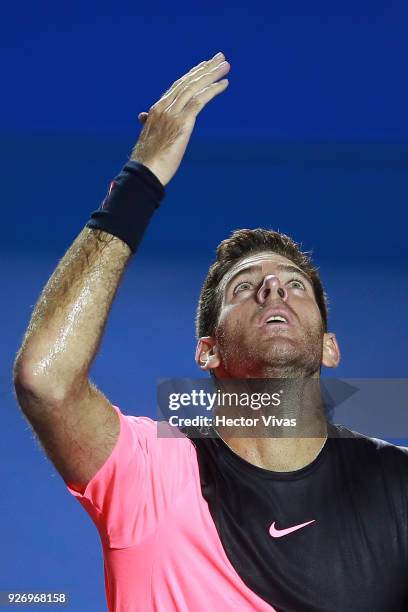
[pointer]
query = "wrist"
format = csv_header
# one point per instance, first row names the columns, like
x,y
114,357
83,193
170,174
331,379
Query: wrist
x,y
153,169
132,198
147,175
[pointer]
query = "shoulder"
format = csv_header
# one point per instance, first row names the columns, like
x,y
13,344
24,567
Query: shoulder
x,y
151,435
149,468
380,451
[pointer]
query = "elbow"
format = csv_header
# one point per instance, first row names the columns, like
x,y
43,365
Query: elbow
x,y
21,376
32,380
26,375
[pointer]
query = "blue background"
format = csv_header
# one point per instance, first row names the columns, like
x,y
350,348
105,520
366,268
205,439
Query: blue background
x,y
311,138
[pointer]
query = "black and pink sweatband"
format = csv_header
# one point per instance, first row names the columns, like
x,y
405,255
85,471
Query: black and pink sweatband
x,y
133,196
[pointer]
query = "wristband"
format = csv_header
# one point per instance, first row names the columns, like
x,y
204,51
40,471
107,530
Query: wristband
x,y
132,198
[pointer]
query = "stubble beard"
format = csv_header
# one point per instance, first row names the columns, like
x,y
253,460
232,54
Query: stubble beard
x,y
281,357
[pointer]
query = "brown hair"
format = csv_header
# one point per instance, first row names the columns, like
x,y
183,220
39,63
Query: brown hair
x,y
240,244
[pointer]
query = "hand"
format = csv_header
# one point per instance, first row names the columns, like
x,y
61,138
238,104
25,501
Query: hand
x,y
169,123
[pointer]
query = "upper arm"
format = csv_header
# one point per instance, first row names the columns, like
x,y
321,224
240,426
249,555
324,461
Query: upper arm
x,y
77,433
122,472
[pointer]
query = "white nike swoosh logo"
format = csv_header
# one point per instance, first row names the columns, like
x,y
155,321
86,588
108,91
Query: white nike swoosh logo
x,y
278,533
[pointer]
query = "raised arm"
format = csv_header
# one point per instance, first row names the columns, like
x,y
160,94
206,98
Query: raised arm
x,y
75,422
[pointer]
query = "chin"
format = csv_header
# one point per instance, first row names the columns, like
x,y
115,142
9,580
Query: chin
x,y
283,350
279,357
284,361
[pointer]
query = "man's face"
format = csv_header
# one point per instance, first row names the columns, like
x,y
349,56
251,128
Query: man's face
x,y
269,324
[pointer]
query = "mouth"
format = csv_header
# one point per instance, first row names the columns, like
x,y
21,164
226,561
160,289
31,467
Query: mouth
x,y
276,317
276,320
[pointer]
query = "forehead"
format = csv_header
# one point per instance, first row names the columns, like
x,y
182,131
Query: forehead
x,y
266,260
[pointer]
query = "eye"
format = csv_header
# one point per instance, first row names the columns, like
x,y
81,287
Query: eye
x,y
296,283
242,286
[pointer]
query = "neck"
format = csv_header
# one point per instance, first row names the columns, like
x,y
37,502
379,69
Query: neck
x,y
278,455
285,435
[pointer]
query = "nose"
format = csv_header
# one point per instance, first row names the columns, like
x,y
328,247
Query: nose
x,y
271,286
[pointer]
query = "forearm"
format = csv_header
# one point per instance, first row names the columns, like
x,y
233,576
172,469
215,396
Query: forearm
x,y
69,318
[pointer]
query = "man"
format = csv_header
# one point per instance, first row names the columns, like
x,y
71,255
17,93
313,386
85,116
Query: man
x,y
306,522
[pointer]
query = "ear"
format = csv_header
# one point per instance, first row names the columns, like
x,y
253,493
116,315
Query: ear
x,y
207,355
331,351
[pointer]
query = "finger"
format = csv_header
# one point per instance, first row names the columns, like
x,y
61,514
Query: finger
x,y
193,70
198,84
168,97
197,102
218,57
